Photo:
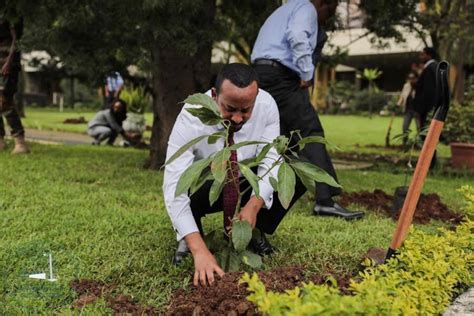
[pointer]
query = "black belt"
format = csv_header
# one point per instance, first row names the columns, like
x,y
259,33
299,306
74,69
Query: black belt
x,y
276,64
269,62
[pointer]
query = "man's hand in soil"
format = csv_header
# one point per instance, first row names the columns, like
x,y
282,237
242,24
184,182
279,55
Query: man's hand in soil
x,y
250,210
204,262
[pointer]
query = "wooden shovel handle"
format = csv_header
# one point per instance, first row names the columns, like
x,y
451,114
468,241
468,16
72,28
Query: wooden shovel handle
x,y
416,184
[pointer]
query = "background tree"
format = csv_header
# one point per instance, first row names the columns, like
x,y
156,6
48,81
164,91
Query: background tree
x,y
448,23
170,39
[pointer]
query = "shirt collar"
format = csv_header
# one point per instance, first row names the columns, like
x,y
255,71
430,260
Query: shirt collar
x,y
429,62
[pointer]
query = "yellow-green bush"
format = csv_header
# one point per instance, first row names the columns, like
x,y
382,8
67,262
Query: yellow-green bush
x,y
422,279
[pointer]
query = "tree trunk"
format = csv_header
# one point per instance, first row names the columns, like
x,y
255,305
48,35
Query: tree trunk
x,y
176,75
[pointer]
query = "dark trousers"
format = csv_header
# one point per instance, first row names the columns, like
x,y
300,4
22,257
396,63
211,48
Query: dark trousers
x,y
267,219
423,119
7,106
297,113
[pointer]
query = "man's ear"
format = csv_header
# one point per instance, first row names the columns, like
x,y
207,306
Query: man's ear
x,y
214,93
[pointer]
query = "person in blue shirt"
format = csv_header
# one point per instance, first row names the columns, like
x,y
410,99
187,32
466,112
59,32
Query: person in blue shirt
x,y
287,48
113,87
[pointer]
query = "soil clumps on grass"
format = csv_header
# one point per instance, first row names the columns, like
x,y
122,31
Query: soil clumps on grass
x,y
91,290
429,206
79,120
228,297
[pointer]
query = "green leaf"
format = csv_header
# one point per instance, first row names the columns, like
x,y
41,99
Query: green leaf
x,y
234,262
215,191
203,100
263,153
206,176
251,178
245,143
190,176
281,143
228,259
215,137
219,164
307,181
185,147
315,173
241,235
251,162
286,184
251,259
206,116
214,241
274,184
315,139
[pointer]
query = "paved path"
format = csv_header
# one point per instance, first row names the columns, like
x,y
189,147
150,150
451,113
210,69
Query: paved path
x,y
463,305
53,137
67,138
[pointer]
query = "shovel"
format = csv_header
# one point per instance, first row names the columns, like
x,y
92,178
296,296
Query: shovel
x,y
421,170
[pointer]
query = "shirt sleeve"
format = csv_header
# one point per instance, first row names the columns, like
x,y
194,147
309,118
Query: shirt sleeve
x,y
271,131
303,24
179,209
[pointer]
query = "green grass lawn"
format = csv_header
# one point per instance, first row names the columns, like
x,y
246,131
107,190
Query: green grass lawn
x,y
351,133
102,216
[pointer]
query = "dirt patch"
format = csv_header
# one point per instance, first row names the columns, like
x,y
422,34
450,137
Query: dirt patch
x,y
398,147
228,297
91,290
79,120
429,206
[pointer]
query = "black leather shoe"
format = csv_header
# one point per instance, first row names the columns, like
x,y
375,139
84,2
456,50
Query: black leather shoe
x,y
260,245
337,211
181,252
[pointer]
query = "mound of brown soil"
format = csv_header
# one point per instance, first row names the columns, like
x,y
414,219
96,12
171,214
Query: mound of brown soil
x,y
228,297
80,120
429,206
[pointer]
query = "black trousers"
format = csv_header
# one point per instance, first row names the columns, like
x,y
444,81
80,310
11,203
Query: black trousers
x,y
424,122
297,113
7,105
267,219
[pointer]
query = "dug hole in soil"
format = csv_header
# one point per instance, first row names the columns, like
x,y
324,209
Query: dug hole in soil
x,y
429,206
228,297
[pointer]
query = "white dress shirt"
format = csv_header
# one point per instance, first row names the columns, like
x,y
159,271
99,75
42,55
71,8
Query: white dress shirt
x,y
263,125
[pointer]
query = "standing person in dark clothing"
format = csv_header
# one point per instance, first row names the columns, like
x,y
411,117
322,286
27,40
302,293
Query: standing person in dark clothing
x,y
284,56
426,86
407,102
426,89
107,124
10,58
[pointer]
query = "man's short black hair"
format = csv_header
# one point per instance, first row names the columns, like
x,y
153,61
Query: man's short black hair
x,y
241,75
431,51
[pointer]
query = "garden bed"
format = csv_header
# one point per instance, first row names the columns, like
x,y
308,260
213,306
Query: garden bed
x,y
429,206
228,297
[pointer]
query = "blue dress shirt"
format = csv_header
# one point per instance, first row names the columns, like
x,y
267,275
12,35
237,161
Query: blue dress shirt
x,y
289,36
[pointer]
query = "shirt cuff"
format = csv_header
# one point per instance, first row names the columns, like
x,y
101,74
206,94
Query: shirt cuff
x,y
184,226
307,76
266,193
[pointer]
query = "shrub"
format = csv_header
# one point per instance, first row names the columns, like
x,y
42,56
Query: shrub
x,y
365,101
422,279
459,125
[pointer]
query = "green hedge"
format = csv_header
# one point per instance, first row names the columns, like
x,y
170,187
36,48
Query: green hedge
x,y
422,279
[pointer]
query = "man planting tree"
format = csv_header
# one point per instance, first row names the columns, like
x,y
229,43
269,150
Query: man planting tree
x,y
253,116
288,46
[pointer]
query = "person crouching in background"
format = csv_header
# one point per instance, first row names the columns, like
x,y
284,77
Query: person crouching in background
x,y
107,124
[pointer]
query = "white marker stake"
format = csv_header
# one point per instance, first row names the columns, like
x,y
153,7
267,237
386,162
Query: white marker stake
x,y
51,279
39,276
